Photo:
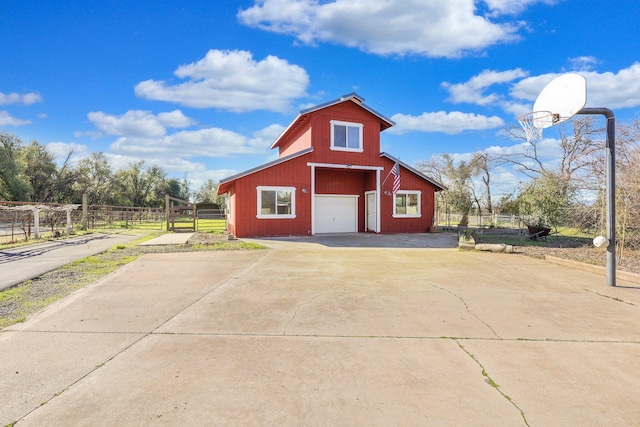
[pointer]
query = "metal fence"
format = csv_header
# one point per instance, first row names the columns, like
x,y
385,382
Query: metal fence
x,y
488,220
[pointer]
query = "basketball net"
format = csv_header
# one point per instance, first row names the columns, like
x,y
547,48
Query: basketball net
x,y
532,123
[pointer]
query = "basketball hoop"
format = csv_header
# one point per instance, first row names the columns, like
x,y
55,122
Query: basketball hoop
x,y
532,123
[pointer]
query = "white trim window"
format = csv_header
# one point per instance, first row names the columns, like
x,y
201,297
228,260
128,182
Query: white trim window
x,y
407,204
346,136
276,202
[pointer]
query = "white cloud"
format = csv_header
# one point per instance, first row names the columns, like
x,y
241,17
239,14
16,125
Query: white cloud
x,y
198,178
17,98
7,119
608,89
446,122
583,63
232,80
620,90
472,91
61,150
433,28
137,123
210,142
512,7
175,119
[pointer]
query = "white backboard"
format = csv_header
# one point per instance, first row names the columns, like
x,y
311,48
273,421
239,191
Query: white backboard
x,y
564,96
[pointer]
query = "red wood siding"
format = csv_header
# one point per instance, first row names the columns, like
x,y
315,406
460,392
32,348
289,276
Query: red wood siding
x,y
302,140
408,181
337,181
348,112
293,173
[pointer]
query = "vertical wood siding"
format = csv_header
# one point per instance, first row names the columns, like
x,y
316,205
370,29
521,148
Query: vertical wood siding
x,y
408,181
302,141
293,173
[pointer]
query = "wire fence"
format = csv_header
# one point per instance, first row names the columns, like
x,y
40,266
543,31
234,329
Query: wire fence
x,y
485,220
21,221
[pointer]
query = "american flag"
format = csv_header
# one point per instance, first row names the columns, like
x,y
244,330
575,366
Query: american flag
x,y
396,177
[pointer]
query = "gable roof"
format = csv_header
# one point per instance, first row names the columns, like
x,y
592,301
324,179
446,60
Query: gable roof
x,y
226,182
439,186
353,97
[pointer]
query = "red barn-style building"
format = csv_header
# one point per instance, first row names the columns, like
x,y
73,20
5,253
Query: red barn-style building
x,y
330,177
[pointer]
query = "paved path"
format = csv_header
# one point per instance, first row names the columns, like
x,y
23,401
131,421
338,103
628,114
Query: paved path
x,y
309,334
30,261
168,239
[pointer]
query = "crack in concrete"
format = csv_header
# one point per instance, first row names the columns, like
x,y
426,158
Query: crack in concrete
x,y
295,312
466,306
610,297
493,384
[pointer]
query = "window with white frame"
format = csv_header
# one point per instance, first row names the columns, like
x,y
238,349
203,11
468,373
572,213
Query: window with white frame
x,y
406,204
276,202
346,136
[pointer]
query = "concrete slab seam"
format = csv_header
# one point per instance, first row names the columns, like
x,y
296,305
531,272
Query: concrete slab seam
x,y
133,343
492,383
82,377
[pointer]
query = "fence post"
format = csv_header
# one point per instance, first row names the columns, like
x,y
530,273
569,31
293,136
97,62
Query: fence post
x,y
167,209
36,222
85,211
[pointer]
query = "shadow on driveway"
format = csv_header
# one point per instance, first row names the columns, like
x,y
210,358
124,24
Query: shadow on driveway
x,y
368,240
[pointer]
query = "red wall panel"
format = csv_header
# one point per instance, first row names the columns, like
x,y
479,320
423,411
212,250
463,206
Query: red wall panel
x,y
293,173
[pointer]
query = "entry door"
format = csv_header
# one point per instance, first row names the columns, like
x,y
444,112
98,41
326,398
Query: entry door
x,y
371,212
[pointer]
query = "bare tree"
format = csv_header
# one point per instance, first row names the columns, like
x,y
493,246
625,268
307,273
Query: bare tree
x,y
581,140
459,196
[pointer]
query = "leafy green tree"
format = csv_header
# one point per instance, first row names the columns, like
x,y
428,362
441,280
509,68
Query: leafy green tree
x,y
208,192
549,198
176,188
14,185
137,186
95,179
40,169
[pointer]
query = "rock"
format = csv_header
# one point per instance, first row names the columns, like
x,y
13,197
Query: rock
x,y
494,247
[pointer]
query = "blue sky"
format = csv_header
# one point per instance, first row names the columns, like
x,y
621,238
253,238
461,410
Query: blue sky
x,y
202,88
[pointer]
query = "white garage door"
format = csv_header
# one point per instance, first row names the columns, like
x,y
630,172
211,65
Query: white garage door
x,y
336,214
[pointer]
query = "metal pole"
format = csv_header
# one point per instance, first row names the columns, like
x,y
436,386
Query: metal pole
x,y
610,189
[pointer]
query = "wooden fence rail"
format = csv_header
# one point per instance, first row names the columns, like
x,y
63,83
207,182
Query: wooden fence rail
x,y
21,221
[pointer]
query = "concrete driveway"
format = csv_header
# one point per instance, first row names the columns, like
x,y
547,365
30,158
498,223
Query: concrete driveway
x,y
30,261
310,334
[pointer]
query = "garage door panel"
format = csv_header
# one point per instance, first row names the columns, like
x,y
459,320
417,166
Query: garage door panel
x,y
336,214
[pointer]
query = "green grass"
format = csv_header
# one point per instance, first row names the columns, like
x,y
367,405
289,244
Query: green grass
x,y
211,225
566,237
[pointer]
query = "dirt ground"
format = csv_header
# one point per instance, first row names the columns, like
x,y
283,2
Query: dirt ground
x,y
578,250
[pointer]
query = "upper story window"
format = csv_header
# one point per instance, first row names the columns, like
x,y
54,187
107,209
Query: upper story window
x,y
276,202
346,136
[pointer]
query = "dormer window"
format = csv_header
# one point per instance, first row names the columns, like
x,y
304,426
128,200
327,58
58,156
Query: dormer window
x,y
346,136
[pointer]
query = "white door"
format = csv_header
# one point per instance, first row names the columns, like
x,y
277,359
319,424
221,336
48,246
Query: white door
x,y
371,211
336,214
